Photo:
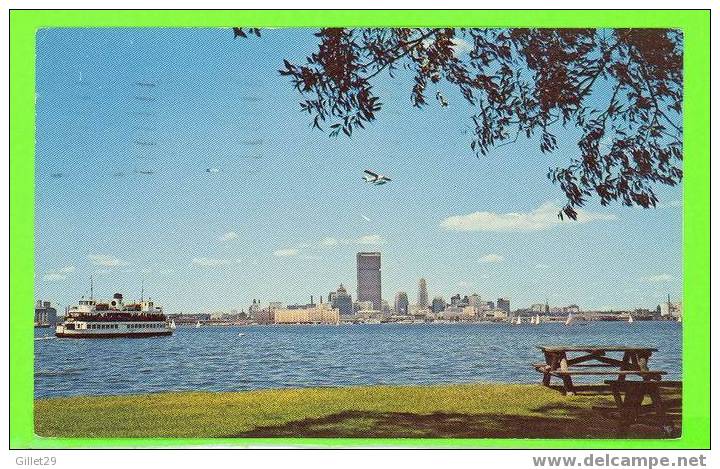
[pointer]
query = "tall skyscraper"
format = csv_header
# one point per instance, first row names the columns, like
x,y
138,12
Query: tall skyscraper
x,y
401,303
369,284
422,299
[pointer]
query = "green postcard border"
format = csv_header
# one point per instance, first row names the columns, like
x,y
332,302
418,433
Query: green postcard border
x,y
696,222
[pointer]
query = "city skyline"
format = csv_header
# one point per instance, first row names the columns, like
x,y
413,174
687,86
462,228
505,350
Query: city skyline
x,y
503,302
286,211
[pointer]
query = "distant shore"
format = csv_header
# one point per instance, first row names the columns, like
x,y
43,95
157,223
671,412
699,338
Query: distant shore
x,y
449,411
543,320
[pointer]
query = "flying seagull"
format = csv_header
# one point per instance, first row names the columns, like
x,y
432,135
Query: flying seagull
x,y
439,96
365,218
145,171
375,178
212,170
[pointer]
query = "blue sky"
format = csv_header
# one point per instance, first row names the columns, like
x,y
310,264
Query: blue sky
x,y
287,211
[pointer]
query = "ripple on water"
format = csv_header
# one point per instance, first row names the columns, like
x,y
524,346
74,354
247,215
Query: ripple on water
x,y
299,356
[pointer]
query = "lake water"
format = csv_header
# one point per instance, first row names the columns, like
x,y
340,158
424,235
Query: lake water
x,y
221,359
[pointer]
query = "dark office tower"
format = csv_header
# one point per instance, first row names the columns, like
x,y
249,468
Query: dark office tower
x,y
401,303
422,300
503,304
369,286
438,304
342,301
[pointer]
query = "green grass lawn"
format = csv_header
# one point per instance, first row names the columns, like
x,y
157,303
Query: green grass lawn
x,y
455,411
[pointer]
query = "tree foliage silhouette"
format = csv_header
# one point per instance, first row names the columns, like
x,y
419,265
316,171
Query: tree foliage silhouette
x,y
621,88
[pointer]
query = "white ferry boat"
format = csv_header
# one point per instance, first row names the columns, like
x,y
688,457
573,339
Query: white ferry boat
x,y
97,319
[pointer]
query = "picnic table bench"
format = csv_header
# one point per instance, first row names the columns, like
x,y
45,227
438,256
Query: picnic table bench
x,y
594,360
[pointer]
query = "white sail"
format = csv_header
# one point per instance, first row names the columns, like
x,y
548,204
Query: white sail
x,y
630,319
537,319
569,319
172,325
197,324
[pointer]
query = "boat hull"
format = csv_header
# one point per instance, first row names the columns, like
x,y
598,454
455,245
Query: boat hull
x,y
110,335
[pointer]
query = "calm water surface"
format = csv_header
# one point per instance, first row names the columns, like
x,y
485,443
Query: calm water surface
x,y
221,359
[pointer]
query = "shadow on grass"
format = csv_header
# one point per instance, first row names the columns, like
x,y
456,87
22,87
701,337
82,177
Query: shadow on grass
x,y
575,423
571,419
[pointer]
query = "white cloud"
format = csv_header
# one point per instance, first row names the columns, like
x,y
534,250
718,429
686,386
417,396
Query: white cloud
x,y
491,258
229,236
370,239
330,241
209,262
105,260
289,252
542,218
660,278
58,275
54,277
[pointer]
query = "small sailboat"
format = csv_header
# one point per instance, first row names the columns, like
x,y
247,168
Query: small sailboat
x,y
630,319
518,321
569,319
537,319
679,319
197,325
172,325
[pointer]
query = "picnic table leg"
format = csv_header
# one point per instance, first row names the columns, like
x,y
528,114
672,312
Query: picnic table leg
x,y
551,365
624,366
630,409
567,380
617,396
667,425
642,363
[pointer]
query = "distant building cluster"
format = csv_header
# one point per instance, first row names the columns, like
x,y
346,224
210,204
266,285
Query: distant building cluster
x,y
369,306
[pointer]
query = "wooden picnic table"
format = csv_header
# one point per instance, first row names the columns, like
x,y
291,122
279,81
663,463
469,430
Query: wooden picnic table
x,y
594,360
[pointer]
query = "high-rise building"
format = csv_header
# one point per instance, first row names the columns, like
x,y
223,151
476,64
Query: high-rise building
x,y
401,303
422,299
45,314
342,301
438,305
369,283
503,304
